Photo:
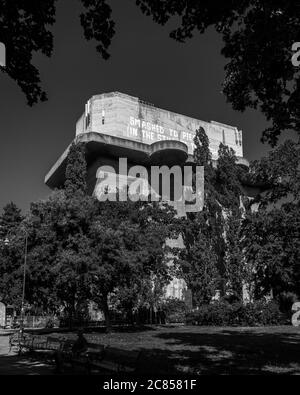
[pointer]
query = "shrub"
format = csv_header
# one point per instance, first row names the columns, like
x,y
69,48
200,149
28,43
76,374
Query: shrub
x,y
175,310
286,300
237,314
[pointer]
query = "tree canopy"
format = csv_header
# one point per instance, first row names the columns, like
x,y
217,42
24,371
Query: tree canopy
x,y
258,38
81,249
26,29
271,233
212,258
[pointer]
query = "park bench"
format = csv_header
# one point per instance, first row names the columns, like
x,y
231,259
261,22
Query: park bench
x,y
41,346
54,343
32,343
14,340
94,352
48,348
21,341
97,357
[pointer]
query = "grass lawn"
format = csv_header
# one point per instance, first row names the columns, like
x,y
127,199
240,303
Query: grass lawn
x,y
209,350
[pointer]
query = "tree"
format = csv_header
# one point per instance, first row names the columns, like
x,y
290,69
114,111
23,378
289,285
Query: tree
x,y
10,220
56,229
271,233
236,270
11,254
76,171
129,249
199,260
231,196
258,38
98,24
57,251
83,250
198,264
212,259
278,175
25,30
228,179
87,250
272,250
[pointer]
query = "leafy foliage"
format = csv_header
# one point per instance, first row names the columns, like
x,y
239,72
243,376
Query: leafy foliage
x,y
236,270
271,234
130,251
258,37
278,175
76,170
9,220
212,258
272,249
174,310
11,254
24,30
237,314
97,24
81,250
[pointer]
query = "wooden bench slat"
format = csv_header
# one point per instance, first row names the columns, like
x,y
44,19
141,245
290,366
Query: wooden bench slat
x,y
95,356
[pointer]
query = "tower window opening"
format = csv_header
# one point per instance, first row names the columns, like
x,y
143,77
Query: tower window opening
x,y
87,115
223,137
87,120
240,138
237,138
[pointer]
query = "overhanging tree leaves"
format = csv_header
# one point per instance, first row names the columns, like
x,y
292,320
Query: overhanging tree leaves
x,y
98,25
258,37
278,174
24,29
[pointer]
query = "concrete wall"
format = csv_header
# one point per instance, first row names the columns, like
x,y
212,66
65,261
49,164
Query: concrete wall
x,y
125,116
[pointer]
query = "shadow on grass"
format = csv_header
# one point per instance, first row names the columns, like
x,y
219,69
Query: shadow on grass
x,y
225,352
16,365
196,350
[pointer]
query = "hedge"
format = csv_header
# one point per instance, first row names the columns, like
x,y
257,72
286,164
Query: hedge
x,y
237,314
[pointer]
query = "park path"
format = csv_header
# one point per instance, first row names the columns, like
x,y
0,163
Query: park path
x,y
11,363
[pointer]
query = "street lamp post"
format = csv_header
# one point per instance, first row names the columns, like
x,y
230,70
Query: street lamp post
x,y
6,242
23,286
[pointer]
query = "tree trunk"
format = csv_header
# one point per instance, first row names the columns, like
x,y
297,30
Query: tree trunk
x,y
71,314
106,314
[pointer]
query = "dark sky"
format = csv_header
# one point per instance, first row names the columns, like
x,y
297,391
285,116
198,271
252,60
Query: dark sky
x,y
145,62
